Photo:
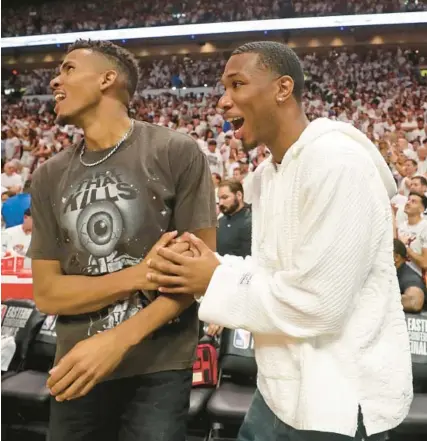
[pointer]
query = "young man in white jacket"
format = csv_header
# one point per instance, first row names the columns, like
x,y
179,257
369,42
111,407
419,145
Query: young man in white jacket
x,y
320,292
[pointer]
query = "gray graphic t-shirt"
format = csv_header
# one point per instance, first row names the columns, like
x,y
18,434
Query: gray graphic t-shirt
x,y
103,219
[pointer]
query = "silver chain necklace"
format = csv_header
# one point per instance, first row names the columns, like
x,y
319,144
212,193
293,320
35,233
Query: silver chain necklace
x,y
114,150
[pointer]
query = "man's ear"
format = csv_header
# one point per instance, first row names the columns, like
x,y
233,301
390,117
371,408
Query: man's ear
x,y
108,79
285,89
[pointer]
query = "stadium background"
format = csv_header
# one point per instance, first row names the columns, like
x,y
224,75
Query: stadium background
x,y
365,63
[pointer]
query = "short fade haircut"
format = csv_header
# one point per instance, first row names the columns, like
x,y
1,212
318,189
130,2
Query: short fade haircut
x,y
414,163
122,58
233,185
422,197
279,59
399,248
422,179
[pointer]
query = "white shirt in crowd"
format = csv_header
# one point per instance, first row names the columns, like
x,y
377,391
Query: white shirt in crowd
x,y
11,147
11,181
319,283
422,167
417,238
15,241
216,164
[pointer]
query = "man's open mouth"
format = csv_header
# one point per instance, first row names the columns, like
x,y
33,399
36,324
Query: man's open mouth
x,y
237,123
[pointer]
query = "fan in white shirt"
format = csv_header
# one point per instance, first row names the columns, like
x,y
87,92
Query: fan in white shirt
x,y
422,160
420,132
411,167
419,186
215,161
10,179
16,240
319,281
413,232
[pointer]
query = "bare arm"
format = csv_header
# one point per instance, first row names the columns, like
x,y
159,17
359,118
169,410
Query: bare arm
x,y
56,293
163,309
419,259
413,299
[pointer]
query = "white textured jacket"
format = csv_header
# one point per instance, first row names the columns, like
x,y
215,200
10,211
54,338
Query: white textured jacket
x,y
320,292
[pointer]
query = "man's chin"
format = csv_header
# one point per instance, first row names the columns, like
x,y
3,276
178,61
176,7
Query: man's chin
x,y
61,120
249,145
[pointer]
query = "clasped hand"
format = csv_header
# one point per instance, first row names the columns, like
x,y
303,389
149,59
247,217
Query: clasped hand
x,y
181,265
176,273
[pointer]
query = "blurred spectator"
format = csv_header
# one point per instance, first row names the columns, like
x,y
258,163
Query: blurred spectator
x,y
6,195
14,207
234,235
411,285
411,168
214,158
216,179
413,232
419,185
16,240
10,179
11,145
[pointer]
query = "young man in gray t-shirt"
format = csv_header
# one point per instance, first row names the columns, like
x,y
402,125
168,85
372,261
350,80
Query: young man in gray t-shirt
x,y
124,352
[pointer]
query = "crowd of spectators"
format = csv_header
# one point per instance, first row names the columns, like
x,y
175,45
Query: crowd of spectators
x,y
176,71
59,17
379,92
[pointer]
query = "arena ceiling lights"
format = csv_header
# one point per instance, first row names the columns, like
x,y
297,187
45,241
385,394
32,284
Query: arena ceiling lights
x,y
283,24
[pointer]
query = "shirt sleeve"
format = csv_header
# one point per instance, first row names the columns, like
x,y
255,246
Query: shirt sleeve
x,y
331,261
246,235
194,207
412,280
45,235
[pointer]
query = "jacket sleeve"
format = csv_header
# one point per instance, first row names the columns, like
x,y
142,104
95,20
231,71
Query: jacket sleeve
x,y
341,223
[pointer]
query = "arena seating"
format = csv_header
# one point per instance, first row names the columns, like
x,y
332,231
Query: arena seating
x,y
21,319
218,411
416,421
57,17
231,400
28,387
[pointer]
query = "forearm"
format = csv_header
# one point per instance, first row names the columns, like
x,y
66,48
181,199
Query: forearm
x,y
418,259
151,318
69,295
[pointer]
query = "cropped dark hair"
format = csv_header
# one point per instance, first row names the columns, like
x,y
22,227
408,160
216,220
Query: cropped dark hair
x,y
279,59
233,185
399,248
421,196
422,180
414,163
122,58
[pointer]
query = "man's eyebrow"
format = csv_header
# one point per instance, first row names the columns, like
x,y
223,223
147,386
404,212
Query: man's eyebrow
x,y
64,65
228,76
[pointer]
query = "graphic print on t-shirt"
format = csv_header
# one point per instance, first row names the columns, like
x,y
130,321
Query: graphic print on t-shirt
x,y
101,215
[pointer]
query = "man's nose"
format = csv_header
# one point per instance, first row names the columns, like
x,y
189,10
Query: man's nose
x,y
225,103
55,82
